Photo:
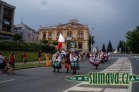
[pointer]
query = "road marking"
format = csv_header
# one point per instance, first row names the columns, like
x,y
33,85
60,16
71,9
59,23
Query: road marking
x,y
114,90
7,80
71,88
86,89
130,84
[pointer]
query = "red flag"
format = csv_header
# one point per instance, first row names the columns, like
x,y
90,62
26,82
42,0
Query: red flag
x,y
60,40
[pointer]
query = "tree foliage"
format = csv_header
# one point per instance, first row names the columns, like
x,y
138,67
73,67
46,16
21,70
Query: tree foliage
x,y
91,37
103,48
44,41
109,47
55,42
132,40
17,37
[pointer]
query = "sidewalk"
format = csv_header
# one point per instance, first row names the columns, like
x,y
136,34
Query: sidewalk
x,y
31,62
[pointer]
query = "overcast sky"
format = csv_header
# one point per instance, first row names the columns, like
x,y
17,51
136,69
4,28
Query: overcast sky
x,y
111,18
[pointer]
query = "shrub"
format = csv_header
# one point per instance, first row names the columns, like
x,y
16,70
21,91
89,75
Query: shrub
x,y
25,46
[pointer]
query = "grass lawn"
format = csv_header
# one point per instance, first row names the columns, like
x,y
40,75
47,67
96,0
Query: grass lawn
x,y
31,56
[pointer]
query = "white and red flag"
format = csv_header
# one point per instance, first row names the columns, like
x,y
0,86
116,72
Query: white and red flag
x,y
60,40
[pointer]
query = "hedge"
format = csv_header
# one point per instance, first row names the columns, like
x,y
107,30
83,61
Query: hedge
x,y
10,45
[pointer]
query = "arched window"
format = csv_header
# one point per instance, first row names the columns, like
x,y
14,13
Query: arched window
x,y
58,34
69,34
44,36
80,34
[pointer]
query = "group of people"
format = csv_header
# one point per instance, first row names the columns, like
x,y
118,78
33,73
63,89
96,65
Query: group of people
x,y
70,60
99,56
3,63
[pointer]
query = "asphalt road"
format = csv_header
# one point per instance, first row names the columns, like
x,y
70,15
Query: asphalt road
x,y
134,59
43,79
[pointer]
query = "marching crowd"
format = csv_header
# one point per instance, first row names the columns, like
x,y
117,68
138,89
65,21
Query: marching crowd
x,y
71,60
99,56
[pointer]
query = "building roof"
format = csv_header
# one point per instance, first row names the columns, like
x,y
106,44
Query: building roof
x,y
23,26
71,22
6,4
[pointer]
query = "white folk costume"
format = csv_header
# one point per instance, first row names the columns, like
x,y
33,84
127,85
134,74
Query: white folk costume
x,y
56,62
74,63
91,58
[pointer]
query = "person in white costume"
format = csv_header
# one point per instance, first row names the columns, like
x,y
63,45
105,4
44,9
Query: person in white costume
x,y
56,62
74,62
91,57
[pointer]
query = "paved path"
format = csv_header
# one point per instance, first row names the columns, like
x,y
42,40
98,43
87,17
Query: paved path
x,y
18,63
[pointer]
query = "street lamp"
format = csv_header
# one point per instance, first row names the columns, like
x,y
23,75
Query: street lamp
x,y
91,39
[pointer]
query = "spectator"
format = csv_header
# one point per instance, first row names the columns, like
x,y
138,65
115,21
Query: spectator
x,y
4,63
48,63
39,56
1,63
24,57
11,62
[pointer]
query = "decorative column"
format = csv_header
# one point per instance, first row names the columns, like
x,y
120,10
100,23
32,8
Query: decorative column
x,y
12,21
1,16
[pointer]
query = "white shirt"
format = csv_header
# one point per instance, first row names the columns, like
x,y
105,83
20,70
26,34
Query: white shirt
x,y
70,57
1,60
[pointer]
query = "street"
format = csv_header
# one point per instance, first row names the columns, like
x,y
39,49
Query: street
x,y
43,79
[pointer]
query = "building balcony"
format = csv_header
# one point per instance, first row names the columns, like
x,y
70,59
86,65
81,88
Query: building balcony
x,y
6,24
7,16
6,32
69,38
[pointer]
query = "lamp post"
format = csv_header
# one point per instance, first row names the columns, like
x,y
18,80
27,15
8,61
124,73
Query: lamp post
x,y
91,39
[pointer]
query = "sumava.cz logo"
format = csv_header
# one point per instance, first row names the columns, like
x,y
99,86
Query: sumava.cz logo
x,y
105,78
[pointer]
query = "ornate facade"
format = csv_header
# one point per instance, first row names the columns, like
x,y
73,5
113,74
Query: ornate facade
x,y
71,31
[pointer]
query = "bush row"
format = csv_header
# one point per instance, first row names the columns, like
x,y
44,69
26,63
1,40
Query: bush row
x,y
10,45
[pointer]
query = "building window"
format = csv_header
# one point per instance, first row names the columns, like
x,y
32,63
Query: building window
x,y
33,37
50,35
79,45
58,34
44,36
7,13
37,38
7,29
6,21
80,34
69,34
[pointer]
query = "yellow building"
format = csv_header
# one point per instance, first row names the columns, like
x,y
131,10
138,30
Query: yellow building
x,y
71,31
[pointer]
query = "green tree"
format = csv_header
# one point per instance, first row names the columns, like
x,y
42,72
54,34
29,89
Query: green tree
x,y
103,48
132,40
120,46
17,37
91,37
109,47
44,41
55,42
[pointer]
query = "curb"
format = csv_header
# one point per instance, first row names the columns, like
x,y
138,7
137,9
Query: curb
x,y
36,66
29,67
